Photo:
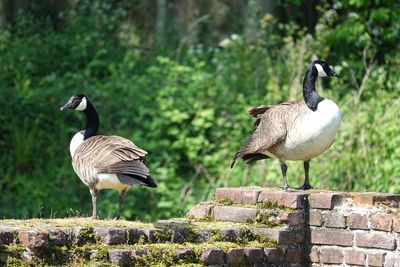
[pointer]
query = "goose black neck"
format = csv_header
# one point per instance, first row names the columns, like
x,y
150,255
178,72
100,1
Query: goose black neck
x,y
92,121
311,96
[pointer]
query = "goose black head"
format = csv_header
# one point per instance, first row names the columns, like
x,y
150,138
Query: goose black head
x,y
323,69
76,102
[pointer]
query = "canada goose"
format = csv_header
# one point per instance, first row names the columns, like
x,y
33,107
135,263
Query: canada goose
x,y
298,130
102,162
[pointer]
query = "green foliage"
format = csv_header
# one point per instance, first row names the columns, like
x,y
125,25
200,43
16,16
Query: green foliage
x,y
189,111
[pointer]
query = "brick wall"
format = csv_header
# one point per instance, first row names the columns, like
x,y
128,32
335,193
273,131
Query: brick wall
x,y
241,227
338,228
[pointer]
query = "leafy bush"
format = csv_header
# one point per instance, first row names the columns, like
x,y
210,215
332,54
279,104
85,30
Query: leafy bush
x,y
189,113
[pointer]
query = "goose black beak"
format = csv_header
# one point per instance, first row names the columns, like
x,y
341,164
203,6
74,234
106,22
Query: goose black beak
x,y
66,106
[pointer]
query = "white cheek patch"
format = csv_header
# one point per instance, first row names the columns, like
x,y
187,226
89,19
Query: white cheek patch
x,y
82,105
320,69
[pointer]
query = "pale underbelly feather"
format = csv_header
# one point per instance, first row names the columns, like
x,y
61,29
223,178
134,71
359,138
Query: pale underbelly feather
x,y
310,134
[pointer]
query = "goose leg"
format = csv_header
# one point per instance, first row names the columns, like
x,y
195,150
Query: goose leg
x,y
120,202
284,170
94,194
306,184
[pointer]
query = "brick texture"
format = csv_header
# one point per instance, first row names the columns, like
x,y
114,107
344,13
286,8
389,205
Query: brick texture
x,y
323,200
376,259
294,200
238,195
327,236
375,240
354,257
381,221
358,221
331,256
335,220
200,211
234,214
315,218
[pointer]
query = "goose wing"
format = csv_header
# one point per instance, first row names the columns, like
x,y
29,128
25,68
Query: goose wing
x,y
269,129
114,154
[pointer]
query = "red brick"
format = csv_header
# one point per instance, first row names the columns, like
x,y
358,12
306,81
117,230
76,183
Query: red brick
x,y
375,240
121,257
292,218
314,255
200,211
358,221
337,237
255,255
281,235
294,200
235,256
234,214
33,239
374,199
274,255
238,195
335,220
376,259
294,255
381,221
110,236
315,218
213,256
396,224
331,255
323,200
354,257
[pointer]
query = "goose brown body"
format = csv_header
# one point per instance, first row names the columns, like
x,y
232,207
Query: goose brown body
x,y
105,162
297,130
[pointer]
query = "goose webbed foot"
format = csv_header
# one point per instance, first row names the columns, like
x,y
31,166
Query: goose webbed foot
x,y
306,186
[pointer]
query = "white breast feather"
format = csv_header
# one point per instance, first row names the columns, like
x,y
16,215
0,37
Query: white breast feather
x,y
312,133
76,141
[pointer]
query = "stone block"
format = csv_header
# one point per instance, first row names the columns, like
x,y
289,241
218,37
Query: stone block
x,y
110,236
396,224
294,200
200,211
376,259
331,255
184,253
82,235
238,195
121,257
180,235
280,235
334,219
325,200
213,256
60,237
354,257
234,214
294,255
337,237
375,240
236,256
135,235
33,239
255,255
274,255
232,234
7,236
381,221
315,218
292,218
153,234
314,255
376,199
358,221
